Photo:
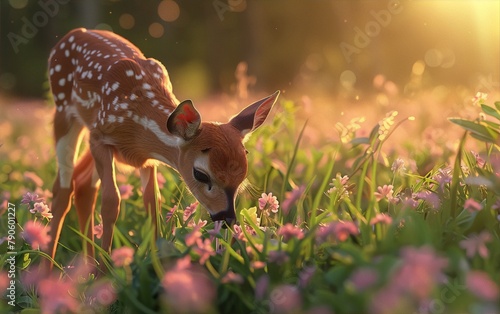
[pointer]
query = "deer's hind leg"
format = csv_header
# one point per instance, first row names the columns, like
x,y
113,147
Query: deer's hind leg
x,y
86,182
67,133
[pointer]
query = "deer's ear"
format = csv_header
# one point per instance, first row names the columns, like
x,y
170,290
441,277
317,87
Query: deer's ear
x,y
184,121
254,115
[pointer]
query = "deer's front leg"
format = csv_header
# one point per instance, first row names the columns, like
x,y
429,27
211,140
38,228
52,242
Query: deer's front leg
x,y
151,197
110,196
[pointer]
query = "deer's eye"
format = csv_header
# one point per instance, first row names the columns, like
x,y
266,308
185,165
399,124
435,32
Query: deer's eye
x,y
202,177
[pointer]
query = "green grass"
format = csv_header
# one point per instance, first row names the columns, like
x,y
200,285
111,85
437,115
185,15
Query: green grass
x,y
330,255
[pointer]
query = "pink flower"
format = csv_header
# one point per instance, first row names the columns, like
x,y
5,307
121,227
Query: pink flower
x,y
261,286
98,231
421,269
339,184
30,197
479,160
193,236
430,198
126,191
398,165
286,299
482,286
36,234
171,213
232,277
4,281
289,231
363,278
384,192
102,292
161,180
204,249
443,177
42,209
189,210
291,197
339,230
270,200
188,290
278,257
476,244
57,296
306,275
122,256
257,264
382,219
472,205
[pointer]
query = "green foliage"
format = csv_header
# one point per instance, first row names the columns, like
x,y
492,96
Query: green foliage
x,y
351,235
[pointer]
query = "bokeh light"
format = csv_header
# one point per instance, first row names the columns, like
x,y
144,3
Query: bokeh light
x,y
18,4
156,30
104,26
168,10
126,21
347,79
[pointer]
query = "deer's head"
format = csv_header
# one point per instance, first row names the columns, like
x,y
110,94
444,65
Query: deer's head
x,y
212,159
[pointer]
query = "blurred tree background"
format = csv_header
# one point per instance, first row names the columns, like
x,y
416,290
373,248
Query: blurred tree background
x,y
309,46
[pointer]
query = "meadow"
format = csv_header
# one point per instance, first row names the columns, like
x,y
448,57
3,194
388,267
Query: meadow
x,y
374,209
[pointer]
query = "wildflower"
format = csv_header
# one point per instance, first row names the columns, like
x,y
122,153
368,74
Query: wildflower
x,y
188,290
30,197
479,160
384,192
363,278
232,277
189,210
286,299
443,177
256,248
430,198
482,286
306,275
204,249
171,213
216,230
36,234
382,219
421,269
278,257
340,230
57,296
270,200
42,209
33,177
398,165
193,236
472,205
339,184
4,281
98,231
126,191
123,256
291,197
261,286
476,244
103,292
161,180
289,231
257,264
479,98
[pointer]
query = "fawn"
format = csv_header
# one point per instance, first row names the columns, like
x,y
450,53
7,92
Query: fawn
x,y
103,83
